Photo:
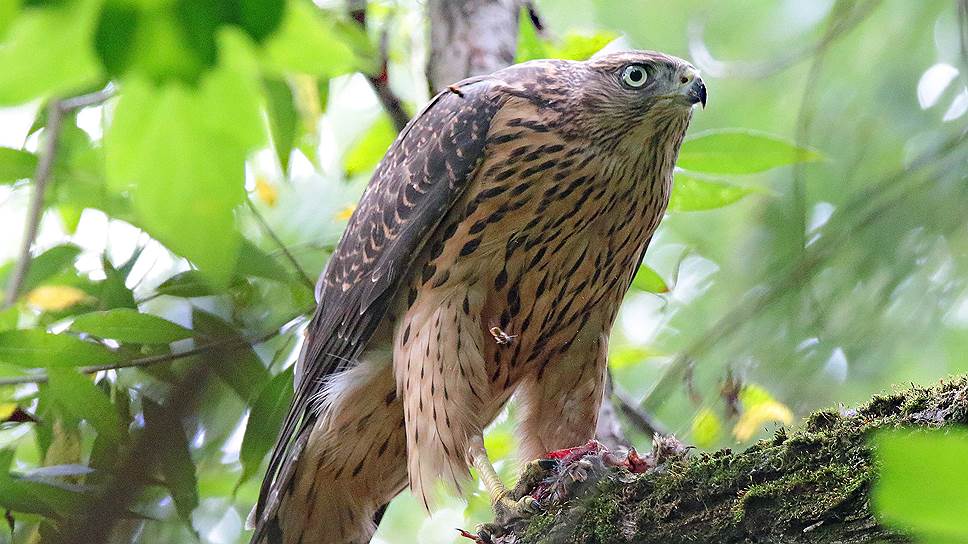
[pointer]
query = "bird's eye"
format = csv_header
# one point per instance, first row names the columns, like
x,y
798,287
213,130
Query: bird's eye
x,y
635,76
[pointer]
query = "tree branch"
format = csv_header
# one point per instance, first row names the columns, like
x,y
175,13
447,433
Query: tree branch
x,y
636,416
808,486
471,37
381,82
56,111
608,429
227,343
55,116
282,247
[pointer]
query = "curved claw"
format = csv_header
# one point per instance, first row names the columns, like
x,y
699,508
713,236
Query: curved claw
x,y
469,535
486,532
548,464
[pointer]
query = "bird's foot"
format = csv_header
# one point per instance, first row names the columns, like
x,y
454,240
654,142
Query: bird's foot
x,y
564,473
506,512
507,509
534,473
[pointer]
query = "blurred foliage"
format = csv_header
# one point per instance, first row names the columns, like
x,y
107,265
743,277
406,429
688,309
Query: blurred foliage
x,y
815,250
923,486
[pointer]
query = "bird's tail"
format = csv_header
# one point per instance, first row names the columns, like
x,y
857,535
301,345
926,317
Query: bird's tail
x,y
352,464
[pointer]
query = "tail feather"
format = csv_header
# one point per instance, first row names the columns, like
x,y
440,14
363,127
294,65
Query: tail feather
x,y
345,466
264,517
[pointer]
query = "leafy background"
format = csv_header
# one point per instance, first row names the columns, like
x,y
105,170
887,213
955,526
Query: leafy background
x,y
207,154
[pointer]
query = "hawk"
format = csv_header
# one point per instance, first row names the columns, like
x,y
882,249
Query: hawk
x,y
488,257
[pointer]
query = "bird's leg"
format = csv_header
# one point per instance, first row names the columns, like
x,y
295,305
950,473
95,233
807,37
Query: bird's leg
x,y
505,507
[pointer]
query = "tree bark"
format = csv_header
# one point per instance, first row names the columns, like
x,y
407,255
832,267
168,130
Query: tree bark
x,y
470,38
807,486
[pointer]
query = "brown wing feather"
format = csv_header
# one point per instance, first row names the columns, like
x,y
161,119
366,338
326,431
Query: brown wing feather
x,y
423,173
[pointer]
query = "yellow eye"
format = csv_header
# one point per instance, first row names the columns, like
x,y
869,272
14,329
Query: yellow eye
x,y
635,76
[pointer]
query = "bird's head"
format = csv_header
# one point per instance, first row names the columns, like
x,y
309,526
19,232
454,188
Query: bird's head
x,y
636,92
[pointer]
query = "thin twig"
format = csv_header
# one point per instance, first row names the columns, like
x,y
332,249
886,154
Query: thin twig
x,y
609,430
56,111
381,82
282,247
55,116
804,122
963,35
88,100
227,343
637,417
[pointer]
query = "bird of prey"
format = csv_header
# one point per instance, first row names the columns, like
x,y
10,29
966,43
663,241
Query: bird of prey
x,y
487,258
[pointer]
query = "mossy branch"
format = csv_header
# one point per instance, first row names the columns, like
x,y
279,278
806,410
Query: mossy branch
x,y
811,485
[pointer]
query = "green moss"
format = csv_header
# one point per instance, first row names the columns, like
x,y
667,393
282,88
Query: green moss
x,y
881,406
538,527
824,419
802,495
600,514
774,490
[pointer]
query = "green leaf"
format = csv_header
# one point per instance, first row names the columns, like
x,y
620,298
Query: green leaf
x,y
308,43
78,177
197,24
16,164
255,262
370,148
48,264
115,32
629,356
266,417
8,12
239,365
181,153
9,318
581,46
530,45
260,18
48,51
176,465
114,293
283,118
706,428
44,268
186,284
923,486
127,266
691,193
32,497
752,395
77,395
575,46
647,279
36,348
57,471
740,151
127,325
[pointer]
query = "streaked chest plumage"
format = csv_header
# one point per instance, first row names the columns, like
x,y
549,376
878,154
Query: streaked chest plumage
x,y
548,237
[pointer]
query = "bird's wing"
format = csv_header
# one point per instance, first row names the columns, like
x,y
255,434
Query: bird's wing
x,y
423,173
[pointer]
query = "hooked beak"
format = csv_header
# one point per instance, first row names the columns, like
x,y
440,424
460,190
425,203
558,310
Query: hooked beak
x,y
696,92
